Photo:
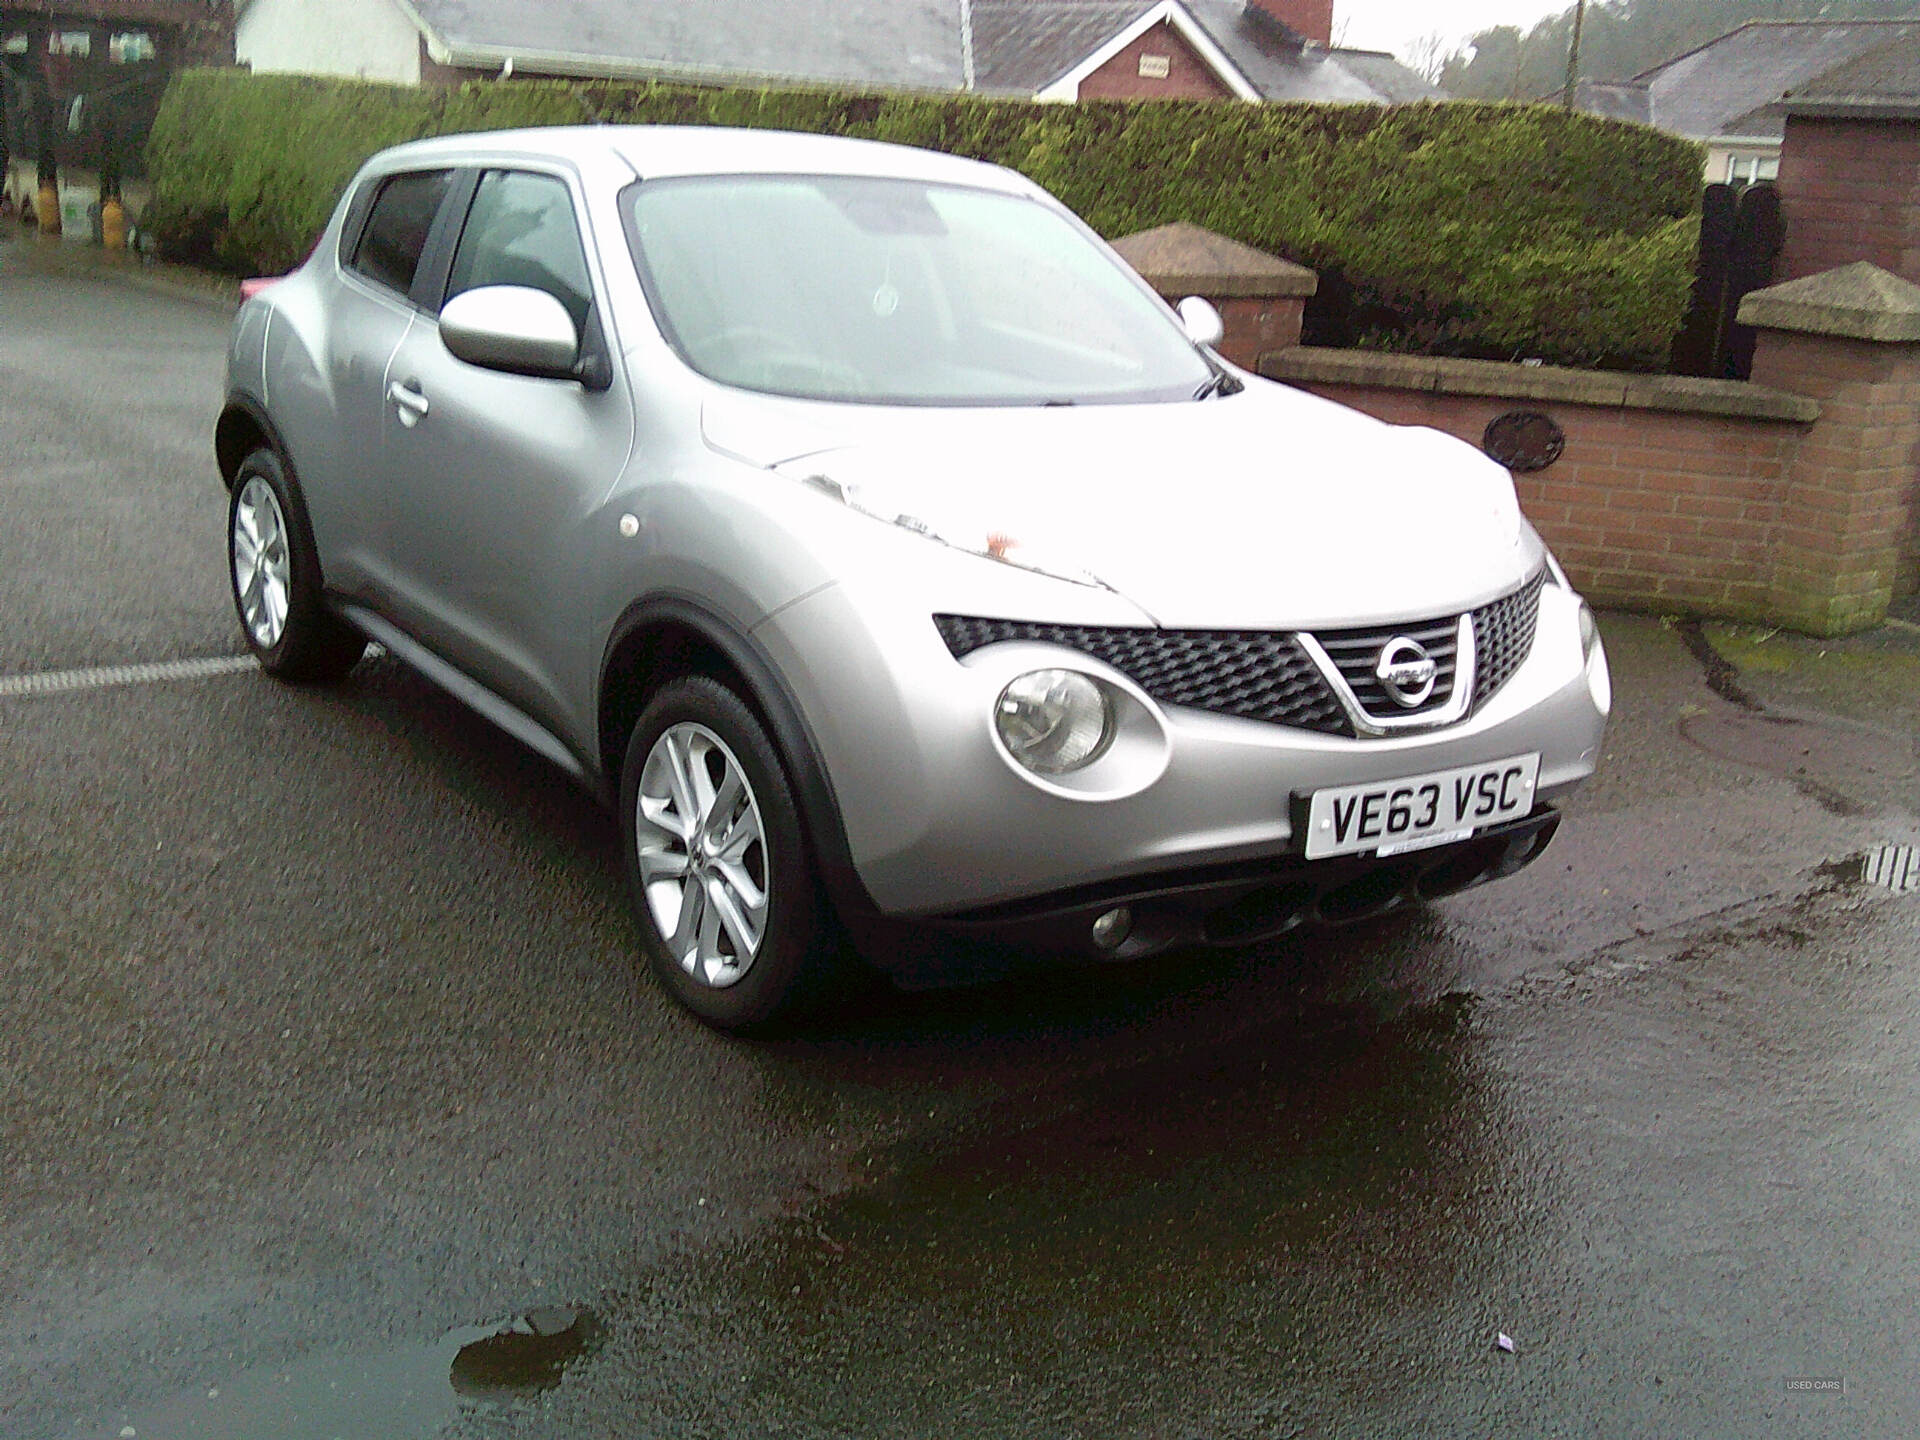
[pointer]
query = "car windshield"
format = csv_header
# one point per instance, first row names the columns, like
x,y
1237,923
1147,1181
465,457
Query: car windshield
x,y
890,291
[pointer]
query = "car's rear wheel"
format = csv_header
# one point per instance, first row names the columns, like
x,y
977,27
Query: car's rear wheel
x,y
729,910
275,575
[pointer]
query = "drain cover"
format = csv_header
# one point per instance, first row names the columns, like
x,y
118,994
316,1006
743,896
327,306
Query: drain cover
x,y
1895,867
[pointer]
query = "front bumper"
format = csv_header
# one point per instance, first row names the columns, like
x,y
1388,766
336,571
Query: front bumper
x,y
1241,904
943,827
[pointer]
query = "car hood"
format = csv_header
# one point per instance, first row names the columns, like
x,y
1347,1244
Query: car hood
x,y
1270,509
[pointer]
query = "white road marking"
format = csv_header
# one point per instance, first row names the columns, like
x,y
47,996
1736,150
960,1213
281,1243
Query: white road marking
x,y
62,682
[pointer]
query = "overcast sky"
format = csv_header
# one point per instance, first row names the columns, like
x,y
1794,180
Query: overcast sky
x,y
1396,25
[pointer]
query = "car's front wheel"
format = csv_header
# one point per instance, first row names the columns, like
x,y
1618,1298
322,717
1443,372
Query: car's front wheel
x,y
275,573
730,913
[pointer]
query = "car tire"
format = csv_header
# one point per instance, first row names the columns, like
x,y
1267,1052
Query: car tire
x,y
274,573
731,917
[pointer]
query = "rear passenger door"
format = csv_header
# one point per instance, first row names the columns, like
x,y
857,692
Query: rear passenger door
x,y
492,477
376,299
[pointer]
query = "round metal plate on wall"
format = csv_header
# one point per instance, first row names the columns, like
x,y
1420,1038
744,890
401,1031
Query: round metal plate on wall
x,y
1524,440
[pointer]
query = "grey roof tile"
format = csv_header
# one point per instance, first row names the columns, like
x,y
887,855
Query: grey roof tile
x,y
1614,99
898,43
1393,82
1021,46
1886,79
1702,93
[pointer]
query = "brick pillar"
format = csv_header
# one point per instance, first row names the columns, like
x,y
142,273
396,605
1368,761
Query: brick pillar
x,y
1850,190
1850,339
1259,296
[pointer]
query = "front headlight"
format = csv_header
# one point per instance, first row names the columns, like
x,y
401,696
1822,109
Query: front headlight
x,y
962,532
1054,721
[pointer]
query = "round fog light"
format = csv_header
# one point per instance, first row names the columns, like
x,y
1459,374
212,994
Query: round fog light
x,y
1589,629
1110,930
1054,721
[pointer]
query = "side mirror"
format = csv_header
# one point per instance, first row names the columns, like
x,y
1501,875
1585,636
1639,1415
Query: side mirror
x,y
512,328
1201,321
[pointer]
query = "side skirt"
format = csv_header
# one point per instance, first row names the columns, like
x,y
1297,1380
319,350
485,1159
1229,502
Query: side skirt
x,y
470,692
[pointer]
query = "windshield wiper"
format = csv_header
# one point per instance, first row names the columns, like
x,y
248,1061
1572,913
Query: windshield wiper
x,y
1219,383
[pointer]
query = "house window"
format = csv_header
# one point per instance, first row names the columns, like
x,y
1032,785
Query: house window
x,y
1155,67
14,45
77,43
131,47
1751,169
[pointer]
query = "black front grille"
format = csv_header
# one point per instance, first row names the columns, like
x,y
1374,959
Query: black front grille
x,y
1503,638
1252,674
1266,675
1357,654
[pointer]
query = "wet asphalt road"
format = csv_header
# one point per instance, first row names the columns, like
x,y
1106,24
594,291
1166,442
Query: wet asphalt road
x,y
322,1055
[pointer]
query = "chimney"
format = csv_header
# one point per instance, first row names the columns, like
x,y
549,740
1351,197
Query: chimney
x,y
1312,19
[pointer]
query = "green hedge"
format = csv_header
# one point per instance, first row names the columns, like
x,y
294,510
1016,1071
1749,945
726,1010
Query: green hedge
x,y
1463,228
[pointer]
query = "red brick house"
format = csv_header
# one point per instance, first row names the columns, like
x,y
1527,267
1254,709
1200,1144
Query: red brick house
x,y
1067,50
1256,50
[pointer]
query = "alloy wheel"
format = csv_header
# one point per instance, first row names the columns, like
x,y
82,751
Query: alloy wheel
x,y
262,564
702,854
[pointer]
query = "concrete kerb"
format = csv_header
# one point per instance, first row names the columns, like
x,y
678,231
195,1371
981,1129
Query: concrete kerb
x,y
46,255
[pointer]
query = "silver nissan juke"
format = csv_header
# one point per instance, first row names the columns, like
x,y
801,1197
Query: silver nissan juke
x,y
890,555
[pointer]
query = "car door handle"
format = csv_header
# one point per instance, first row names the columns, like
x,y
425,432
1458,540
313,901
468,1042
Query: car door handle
x,y
408,403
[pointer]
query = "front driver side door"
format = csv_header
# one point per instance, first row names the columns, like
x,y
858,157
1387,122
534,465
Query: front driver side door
x,y
492,477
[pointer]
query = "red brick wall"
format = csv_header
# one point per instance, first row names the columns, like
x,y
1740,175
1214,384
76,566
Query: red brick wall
x,y
1850,190
1644,508
1188,76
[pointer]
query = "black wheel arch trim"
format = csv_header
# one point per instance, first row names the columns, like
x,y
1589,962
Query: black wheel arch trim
x,y
769,694
239,402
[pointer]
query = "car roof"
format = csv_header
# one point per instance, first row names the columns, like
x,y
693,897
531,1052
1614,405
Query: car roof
x,y
653,151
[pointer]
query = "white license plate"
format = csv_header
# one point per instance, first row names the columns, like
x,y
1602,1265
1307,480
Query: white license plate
x,y
1391,816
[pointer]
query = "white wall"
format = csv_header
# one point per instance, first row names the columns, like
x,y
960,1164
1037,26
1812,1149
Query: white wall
x,y
365,39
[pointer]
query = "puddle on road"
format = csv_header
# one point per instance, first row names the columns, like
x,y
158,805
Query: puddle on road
x,y
1319,1226
409,1393
1191,1239
524,1357
1317,1230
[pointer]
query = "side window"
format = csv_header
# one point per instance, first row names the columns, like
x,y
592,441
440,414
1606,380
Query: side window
x,y
521,231
396,229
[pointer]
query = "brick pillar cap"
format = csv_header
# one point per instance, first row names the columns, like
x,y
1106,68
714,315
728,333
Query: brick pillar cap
x,y
1184,259
1859,301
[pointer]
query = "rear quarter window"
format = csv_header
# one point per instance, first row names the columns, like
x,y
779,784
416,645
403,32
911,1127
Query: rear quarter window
x,y
390,244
